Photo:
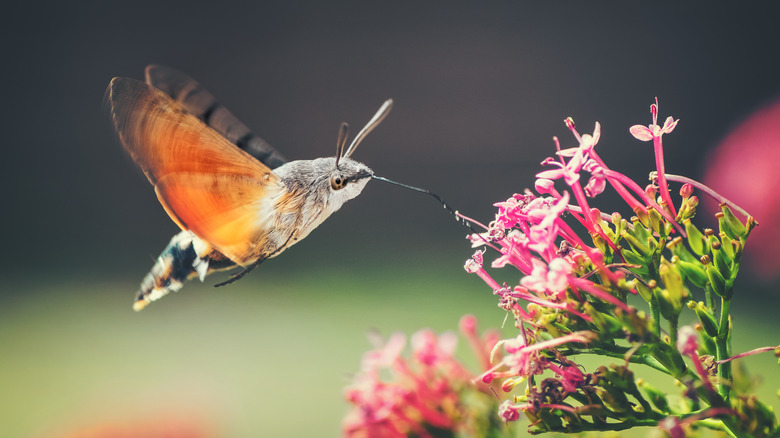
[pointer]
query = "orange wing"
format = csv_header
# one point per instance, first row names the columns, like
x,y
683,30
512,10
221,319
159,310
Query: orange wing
x,y
205,183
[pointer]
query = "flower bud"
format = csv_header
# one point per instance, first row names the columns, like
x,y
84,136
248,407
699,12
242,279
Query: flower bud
x,y
686,191
651,191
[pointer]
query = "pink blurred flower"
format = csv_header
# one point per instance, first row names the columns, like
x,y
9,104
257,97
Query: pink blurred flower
x,y
748,156
394,396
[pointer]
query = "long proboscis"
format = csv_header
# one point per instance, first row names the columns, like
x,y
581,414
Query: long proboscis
x,y
458,218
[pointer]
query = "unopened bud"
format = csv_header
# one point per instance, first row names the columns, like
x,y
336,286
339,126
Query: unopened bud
x,y
686,191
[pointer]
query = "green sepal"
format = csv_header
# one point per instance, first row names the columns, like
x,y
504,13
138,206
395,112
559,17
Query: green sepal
x,y
636,244
669,308
729,223
708,322
722,261
655,221
728,245
606,322
673,282
670,358
639,231
601,244
692,271
656,397
717,282
695,238
635,259
645,292
680,250
708,346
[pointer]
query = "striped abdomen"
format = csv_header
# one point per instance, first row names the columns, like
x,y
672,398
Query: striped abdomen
x,y
185,257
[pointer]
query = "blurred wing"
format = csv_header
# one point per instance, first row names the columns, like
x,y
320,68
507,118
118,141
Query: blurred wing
x,y
205,183
202,104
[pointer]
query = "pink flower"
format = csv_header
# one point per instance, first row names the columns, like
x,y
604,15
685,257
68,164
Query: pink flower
x,y
653,131
587,141
384,355
509,411
647,133
474,264
597,181
570,172
430,350
523,360
687,341
572,378
549,278
672,427
743,168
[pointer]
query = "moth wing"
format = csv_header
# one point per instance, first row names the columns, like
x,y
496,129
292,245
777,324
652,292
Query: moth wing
x,y
205,183
198,101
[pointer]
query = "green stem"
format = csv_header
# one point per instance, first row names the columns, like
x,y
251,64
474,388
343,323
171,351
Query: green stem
x,y
624,424
673,325
722,347
643,359
656,309
709,299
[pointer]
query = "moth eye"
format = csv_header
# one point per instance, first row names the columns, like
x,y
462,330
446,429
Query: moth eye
x,y
337,182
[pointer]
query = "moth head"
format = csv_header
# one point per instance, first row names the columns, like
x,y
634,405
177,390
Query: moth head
x,y
349,174
349,178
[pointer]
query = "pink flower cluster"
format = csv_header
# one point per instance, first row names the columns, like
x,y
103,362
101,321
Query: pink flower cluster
x,y
393,396
560,271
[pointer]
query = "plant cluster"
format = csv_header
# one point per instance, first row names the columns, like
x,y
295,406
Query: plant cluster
x,y
573,299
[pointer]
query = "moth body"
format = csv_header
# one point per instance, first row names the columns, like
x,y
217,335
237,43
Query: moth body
x,y
214,179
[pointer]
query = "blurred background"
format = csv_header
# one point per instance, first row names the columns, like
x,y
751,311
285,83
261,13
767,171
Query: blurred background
x,y
479,92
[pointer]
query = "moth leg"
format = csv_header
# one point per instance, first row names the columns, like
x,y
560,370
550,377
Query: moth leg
x,y
256,264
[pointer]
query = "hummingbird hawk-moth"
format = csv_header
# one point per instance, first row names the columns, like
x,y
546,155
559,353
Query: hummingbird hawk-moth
x,y
237,200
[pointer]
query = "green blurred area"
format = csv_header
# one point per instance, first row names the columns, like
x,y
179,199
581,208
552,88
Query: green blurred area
x,y
266,356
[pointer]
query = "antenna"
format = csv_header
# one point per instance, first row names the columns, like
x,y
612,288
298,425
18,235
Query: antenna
x,y
378,117
341,141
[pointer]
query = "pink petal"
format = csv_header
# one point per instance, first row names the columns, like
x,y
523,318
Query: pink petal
x,y
669,125
550,174
641,133
567,152
544,186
